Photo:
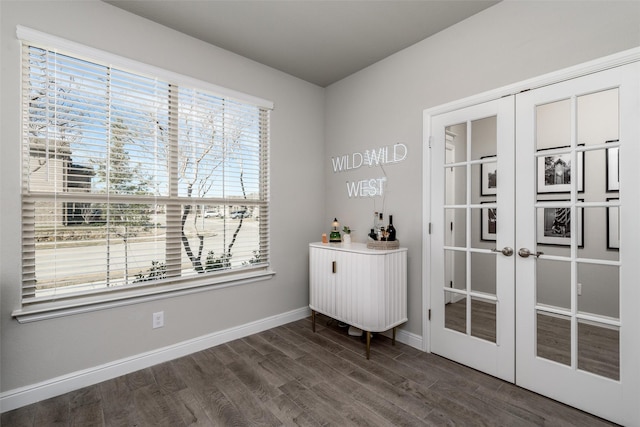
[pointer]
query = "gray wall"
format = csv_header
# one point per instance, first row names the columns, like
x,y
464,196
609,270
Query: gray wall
x,y
47,349
507,43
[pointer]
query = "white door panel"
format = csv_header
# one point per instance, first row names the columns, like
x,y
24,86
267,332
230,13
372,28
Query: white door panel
x,y
472,305
583,284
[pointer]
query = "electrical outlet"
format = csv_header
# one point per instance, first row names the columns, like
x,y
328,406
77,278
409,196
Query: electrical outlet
x,y
158,319
579,289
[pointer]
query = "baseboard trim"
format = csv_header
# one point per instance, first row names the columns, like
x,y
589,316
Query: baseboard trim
x,y
409,339
33,393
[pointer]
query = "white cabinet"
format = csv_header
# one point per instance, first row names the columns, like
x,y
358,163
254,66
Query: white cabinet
x,y
365,288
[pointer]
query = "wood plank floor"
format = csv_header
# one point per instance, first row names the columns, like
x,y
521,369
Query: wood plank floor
x,y
291,376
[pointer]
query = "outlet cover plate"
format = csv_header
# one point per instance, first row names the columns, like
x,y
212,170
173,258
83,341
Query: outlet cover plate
x,y
158,319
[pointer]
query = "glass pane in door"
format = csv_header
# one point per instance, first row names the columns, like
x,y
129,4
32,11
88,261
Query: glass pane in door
x,y
599,349
483,273
455,185
456,139
455,233
553,284
553,125
455,312
553,333
483,138
597,117
599,290
553,229
456,271
483,319
601,232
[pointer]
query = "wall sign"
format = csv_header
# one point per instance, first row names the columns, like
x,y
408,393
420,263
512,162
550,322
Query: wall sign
x,y
372,187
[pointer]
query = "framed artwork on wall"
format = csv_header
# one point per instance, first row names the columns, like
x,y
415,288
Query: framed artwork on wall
x,y
554,226
489,177
555,173
488,230
613,171
613,227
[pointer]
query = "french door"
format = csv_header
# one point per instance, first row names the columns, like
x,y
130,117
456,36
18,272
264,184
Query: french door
x,y
473,306
544,294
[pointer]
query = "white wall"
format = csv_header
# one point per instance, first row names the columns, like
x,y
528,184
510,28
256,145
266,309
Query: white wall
x,y
383,104
37,352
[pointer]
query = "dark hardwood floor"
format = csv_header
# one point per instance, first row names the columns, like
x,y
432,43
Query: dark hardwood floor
x,y
291,376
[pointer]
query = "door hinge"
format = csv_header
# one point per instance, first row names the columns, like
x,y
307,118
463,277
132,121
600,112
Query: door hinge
x,y
429,228
429,314
430,139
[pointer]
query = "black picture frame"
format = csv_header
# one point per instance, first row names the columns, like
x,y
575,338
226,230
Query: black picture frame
x,y
613,167
554,226
613,226
489,177
554,172
488,223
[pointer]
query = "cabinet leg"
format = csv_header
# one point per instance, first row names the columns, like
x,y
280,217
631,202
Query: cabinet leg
x,y
313,320
368,344
393,339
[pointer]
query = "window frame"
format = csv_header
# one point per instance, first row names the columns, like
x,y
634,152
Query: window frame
x,y
180,286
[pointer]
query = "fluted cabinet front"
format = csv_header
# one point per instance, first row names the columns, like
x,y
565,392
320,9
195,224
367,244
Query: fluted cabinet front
x,y
365,288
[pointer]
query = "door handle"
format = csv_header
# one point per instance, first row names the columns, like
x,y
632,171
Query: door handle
x,y
524,253
506,251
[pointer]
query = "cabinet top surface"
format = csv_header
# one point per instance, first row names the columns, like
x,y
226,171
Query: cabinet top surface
x,y
354,247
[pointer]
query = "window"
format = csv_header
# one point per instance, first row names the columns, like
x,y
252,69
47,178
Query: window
x,y
136,183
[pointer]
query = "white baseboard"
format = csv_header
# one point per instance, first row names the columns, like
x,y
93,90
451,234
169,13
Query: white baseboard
x,y
409,339
33,393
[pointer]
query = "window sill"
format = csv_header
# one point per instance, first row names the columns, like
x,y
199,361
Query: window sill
x,y
54,310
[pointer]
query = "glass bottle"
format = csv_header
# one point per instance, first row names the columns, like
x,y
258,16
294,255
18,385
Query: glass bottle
x,y
383,234
334,236
391,230
373,234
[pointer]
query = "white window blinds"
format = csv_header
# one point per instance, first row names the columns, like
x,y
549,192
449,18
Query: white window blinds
x,y
132,181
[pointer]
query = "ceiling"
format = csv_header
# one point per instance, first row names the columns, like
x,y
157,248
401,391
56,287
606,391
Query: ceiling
x,y
320,41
